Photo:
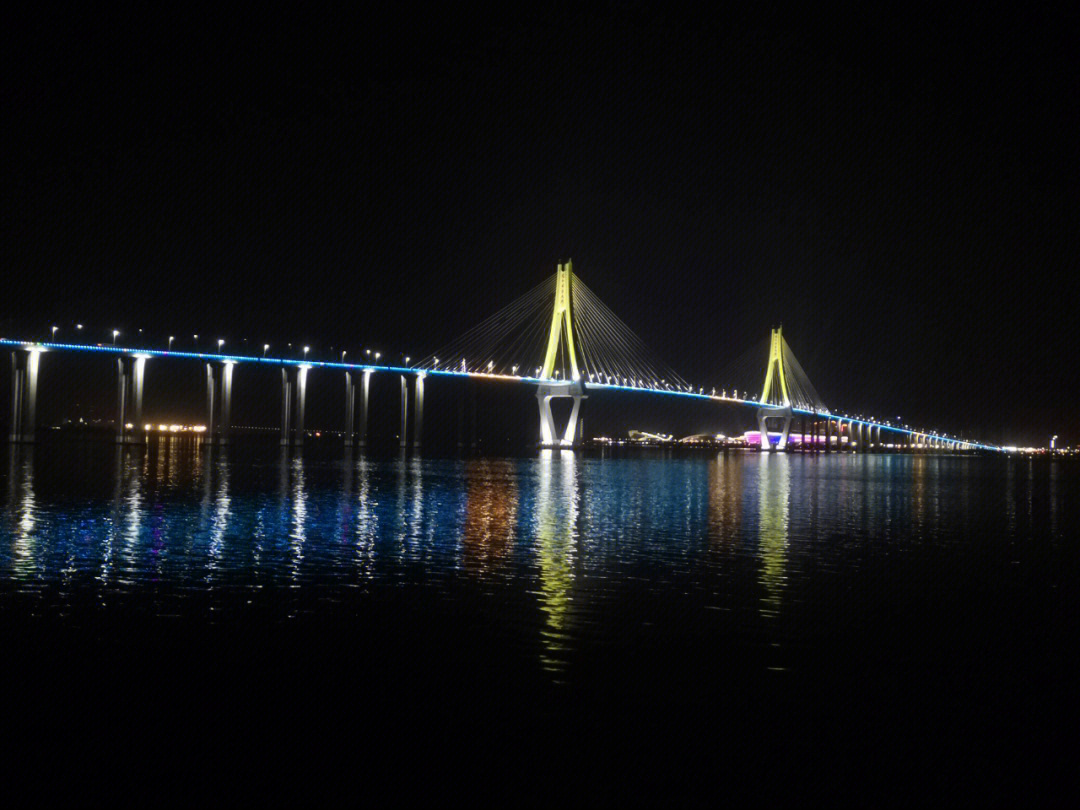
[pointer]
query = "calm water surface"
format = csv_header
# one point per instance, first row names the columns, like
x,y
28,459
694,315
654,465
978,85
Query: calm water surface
x,y
646,625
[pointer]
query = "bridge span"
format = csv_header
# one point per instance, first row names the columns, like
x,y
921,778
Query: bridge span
x,y
583,348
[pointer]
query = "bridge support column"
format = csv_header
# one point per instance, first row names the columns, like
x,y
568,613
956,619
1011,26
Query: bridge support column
x,y
131,374
219,376
365,390
301,404
764,414
287,385
350,407
545,392
418,419
828,437
138,383
404,412
293,400
24,384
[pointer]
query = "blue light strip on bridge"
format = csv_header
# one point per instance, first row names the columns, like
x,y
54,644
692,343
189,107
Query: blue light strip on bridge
x,y
282,361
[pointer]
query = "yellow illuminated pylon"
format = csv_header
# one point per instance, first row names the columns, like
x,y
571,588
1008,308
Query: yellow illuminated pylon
x,y
776,359
559,318
768,409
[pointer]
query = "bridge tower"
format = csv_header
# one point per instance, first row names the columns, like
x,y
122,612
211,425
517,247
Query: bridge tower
x,y
550,388
775,398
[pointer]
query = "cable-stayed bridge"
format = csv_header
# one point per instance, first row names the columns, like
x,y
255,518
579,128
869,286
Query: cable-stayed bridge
x,y
559,337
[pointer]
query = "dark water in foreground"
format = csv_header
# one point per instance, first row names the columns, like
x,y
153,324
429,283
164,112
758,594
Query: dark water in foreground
x,y
188,624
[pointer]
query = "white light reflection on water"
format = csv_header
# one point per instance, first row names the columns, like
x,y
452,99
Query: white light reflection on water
x,y
133,474
367,520
220,520
21,494
299,517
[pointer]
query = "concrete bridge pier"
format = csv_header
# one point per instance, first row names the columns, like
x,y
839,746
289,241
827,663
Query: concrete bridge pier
x,y
418,417
545,392
365,390
404,435
132,373
293,401
287,386
301,404
219,375
350,407
24,383
766,413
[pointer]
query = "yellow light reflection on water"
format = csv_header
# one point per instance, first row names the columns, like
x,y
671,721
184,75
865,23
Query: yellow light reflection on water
x,y
774,490
556,520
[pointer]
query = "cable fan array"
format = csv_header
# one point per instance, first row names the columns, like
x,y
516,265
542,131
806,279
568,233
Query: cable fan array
x,y
514,341
747,371
610,351
801,392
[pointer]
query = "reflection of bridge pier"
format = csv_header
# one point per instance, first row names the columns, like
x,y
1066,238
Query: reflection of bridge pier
x,y
774,488
557,511
23,509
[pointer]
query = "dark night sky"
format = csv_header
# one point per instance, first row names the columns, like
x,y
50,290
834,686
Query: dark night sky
x,y
901,193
